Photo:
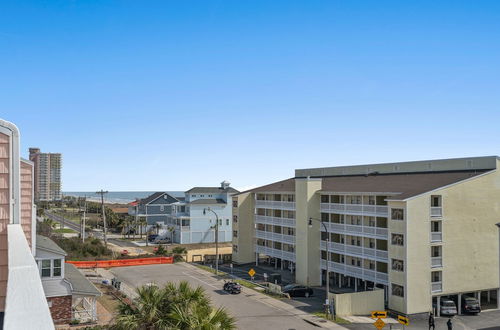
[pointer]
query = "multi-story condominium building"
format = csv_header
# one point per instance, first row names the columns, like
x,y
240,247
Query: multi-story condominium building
x,y
22,299
47,175
419,230
191,222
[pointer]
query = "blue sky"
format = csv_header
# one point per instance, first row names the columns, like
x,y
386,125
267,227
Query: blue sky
x,y
166,95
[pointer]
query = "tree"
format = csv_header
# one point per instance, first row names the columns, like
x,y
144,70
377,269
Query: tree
x,y
175,306
143,223
157,227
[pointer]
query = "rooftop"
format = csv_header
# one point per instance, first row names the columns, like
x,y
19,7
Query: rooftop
x,y
47,244
212,190
208,201
79,283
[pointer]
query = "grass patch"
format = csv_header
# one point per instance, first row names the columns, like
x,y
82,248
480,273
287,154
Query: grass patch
x,y
338,319
64,231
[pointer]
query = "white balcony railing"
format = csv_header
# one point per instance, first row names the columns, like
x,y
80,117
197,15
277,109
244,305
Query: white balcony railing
x,y
290,256
289,239
366,231
436,236
359,272
266,220
437,286
356,251
356,209
437,262
436,211
280,205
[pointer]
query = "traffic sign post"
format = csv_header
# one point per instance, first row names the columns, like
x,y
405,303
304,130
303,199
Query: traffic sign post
x,y
251,272
379,314
379,324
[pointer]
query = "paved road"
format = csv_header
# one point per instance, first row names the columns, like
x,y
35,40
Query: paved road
x,y
252,310
67,223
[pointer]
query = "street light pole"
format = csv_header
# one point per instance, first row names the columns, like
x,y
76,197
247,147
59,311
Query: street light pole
x,y
216,238
327,300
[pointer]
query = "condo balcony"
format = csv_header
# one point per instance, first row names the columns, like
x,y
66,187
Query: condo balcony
x,y
275,253
356,251
268,220
280,205
359,272
365,231
355,209
436,262
277,237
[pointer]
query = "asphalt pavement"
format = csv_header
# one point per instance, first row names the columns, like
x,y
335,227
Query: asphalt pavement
x,y
252,310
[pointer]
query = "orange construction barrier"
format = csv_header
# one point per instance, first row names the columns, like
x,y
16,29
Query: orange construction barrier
x,y
122,262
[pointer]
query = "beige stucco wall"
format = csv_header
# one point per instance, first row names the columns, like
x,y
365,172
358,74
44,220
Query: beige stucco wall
x,y
358,303
307,239
397,252
245,227
470,240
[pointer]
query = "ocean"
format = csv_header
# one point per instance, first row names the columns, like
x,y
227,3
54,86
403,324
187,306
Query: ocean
x,y
118,197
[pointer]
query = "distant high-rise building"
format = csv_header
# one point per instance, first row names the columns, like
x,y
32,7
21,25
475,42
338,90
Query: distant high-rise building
x,y
47,175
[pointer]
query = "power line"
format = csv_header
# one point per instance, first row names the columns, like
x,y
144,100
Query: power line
x,y
102,193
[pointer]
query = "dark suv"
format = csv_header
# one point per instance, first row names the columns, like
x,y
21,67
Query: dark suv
x,y
470,305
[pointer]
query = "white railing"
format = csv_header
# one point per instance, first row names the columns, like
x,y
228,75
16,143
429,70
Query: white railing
x,y
437,261
277,237
280,205
356,209
290,256
359,272
367,231
437,286
356,251
266,220
436,236
436,211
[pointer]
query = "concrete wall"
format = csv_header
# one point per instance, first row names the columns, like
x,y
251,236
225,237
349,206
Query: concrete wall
x,y
244,242
470,240
307,239
358,303
4,214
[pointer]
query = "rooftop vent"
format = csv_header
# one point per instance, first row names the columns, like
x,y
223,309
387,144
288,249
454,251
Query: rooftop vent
x,y
224,184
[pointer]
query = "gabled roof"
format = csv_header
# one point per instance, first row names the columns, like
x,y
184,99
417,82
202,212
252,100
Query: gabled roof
x,y
79,283
398,186
45,243
208,201
155,196
212,190
287,185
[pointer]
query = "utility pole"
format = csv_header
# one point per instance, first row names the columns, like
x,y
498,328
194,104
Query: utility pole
x,y
102,193
216,239
84,218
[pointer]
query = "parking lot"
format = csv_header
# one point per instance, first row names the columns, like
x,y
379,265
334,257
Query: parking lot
x,y
253,310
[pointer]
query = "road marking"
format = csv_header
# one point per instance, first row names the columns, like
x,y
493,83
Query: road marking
x,y
213,286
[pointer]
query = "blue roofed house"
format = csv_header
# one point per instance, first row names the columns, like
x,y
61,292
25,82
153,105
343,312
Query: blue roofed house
x,y
187,222
155,208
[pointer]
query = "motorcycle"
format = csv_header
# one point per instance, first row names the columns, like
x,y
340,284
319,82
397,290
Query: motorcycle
x,y
232,287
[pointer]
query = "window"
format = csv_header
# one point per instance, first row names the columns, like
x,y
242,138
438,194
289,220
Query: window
x,y
235,248
193,195
397,239
371,200
235,233
235,218
372,265
235,203
397,214
398,265
436,276
227,222
45,268
185,222
436,201
57,267
209,195
220,222
162,208
397,290
325,199
202,195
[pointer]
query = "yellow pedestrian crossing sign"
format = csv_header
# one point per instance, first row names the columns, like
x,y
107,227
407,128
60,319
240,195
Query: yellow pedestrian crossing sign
x,y
379,324
251,272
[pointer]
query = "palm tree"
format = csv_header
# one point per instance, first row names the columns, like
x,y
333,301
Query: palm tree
x,y
172,307
157,227
143,223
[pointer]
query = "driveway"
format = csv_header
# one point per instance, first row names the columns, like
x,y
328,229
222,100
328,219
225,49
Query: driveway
x,y
252,310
